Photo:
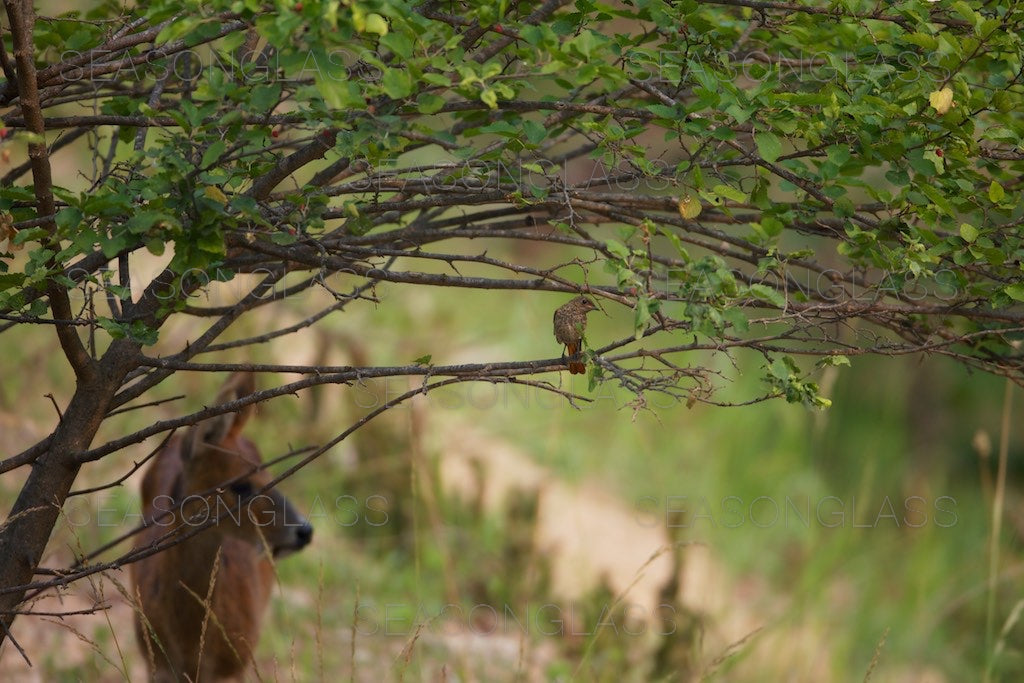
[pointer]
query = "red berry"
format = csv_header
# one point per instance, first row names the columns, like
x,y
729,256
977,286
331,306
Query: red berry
x,y
4,132
938,152
297,7
498,28
274,133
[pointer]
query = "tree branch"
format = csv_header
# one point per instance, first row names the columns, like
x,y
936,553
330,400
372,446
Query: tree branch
x,y
22,18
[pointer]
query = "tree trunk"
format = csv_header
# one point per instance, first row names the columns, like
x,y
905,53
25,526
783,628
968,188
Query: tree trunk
x,y
23,537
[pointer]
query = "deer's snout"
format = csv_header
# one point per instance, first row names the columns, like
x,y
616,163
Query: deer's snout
x,y
304,534
297,531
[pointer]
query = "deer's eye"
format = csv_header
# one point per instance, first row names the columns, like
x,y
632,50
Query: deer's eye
x,y
242,489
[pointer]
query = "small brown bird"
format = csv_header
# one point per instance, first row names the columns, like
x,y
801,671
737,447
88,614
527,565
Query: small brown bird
x,y
570,323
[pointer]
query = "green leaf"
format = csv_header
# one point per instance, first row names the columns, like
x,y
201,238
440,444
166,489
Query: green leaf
x,y
397,83
142,333
337,94
489,97
68,218
965,10
211,242
618,249
284,238
996,192
265,97
643,314
938,162
155,246
398,43
11,280
664,111
142,221
584,43
1015,291
843,207
177,29
428,103
730,193
535,132
781,368
772,226
212,154
594,376
423,360
922,40
112,327
737,318
121,292
203,32
1002,101
769,294
768,146
940,200
838,154
968,232
834,361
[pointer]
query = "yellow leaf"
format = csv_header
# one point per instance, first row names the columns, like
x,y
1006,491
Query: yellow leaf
x,y
375,23
942,100
331,14
215,193
689,206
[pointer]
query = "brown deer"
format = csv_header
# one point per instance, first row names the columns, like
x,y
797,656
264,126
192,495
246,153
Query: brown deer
x,y
201,600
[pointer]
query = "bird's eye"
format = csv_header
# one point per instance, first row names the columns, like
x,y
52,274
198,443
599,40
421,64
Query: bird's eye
x,y
242,489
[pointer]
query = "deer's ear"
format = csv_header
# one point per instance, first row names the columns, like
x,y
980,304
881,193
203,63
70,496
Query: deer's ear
x,y
238,385
212,431
216,429
193,440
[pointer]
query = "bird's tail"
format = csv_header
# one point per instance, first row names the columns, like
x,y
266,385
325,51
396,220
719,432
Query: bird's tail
x,y
575,367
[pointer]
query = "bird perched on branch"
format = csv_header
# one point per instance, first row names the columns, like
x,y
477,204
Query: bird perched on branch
x,y
570,323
